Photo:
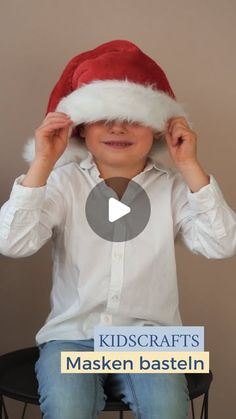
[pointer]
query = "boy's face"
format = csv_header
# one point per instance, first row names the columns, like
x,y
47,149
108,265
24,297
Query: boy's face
x,y
117,143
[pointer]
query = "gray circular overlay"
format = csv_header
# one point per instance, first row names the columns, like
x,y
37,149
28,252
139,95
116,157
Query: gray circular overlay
x,y
124,191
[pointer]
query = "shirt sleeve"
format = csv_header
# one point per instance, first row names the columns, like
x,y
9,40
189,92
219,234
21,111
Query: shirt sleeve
x,y
203,221
30,217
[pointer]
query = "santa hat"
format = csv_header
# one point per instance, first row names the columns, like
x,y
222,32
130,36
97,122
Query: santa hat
x,y
116,80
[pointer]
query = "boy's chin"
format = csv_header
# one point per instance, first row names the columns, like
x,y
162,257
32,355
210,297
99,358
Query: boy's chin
x,y
117,159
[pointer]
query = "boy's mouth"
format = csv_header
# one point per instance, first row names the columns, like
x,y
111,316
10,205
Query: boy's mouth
x,y
118,144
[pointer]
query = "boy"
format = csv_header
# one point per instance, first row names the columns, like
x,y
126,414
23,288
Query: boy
x,y
116,102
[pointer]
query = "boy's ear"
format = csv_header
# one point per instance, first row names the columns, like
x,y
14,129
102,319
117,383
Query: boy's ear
x,y
76,132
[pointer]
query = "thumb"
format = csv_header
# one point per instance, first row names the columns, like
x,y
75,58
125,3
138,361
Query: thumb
x,y
70,130
66,131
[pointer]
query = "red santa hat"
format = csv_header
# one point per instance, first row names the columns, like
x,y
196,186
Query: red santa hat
x,y
116,80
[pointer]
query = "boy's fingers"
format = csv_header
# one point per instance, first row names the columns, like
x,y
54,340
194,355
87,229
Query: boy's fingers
x,y
56,121
53,125
57,117
56,114
178,121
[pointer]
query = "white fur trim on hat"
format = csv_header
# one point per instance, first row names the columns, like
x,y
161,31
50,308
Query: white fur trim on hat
x,y
121,99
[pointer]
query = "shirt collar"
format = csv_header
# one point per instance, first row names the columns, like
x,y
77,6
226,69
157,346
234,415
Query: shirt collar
x,y
88,162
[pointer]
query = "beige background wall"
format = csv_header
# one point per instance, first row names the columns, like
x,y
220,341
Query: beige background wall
x,y
194,42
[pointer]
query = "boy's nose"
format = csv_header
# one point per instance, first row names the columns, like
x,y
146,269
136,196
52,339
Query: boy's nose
x,y
117,126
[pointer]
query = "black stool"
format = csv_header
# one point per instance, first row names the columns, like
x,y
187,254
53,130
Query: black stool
x,y
18,381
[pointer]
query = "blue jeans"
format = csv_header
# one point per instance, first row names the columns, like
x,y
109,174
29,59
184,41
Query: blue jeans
x,y
81,396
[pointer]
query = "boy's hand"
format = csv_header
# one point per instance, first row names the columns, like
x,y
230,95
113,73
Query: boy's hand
x,y
52,136
182,145
181,141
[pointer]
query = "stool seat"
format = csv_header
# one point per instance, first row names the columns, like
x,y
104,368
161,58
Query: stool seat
x,y
18,380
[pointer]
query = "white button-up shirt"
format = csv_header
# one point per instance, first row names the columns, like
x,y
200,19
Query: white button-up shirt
x,y
96,281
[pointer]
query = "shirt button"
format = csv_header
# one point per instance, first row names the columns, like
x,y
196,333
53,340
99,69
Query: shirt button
x,y
106,318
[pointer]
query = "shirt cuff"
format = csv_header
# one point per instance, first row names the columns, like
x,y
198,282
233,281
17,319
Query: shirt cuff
x,y
26,197
206,198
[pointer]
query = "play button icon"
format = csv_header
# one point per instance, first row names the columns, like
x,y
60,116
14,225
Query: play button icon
x,y
117,209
